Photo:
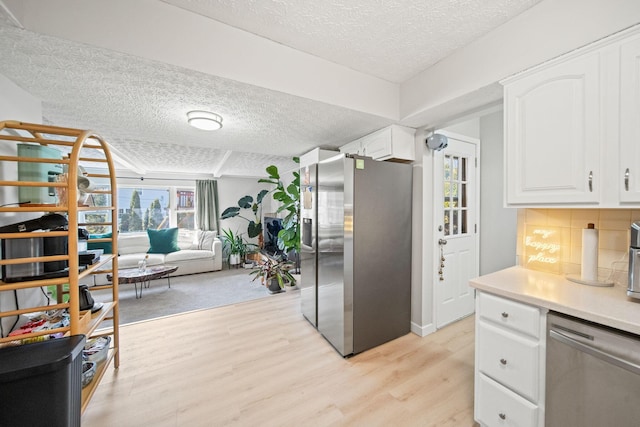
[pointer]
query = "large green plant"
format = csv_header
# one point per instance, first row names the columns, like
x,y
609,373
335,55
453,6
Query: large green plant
x,y
289,198
254,229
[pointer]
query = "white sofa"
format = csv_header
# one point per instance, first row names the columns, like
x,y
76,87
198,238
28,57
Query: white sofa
x,y
199,252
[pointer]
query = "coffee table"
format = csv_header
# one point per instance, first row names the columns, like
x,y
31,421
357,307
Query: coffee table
x,y
143,277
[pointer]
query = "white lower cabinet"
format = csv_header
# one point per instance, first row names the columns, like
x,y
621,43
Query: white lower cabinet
x,y
509,362
499,406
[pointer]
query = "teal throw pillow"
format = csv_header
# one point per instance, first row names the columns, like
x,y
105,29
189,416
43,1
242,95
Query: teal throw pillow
x,y
163,241
107,247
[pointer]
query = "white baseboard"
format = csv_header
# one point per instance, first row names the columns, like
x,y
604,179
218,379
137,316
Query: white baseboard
x,y
422,331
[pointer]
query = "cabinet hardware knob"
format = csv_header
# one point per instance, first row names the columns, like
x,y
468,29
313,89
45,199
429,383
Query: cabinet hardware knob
x,y
591,181
505,314
626,180
503,361
502,416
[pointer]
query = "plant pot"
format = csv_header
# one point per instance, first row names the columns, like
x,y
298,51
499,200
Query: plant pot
x,y
234,259
273,287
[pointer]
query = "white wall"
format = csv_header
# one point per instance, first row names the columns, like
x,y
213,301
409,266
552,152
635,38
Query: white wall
x,y
15,104
498,225
230,190
469,128
467,79
422,321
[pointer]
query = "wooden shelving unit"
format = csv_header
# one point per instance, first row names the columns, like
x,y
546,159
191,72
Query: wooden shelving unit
x,y
76,146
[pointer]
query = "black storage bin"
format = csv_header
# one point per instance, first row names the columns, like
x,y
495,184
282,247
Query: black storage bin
x,y
41,383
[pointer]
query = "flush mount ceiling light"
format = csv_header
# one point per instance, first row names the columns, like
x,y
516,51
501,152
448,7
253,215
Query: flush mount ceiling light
x,y
204,120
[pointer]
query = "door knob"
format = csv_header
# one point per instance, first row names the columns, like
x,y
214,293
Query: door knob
x,y
442,242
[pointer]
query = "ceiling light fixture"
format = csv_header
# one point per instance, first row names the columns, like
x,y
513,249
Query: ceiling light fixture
x,y
204,120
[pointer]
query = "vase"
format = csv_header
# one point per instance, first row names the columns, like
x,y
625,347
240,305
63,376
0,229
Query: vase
x,y
273,286
234,259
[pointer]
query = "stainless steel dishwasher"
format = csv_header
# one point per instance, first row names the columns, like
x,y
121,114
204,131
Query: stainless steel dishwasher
x,y
593,374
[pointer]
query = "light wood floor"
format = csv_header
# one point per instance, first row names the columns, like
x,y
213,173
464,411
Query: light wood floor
x,y
261,363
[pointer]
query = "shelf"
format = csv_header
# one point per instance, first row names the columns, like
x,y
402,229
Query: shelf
x,y
66,151
98,317
94,268
87,392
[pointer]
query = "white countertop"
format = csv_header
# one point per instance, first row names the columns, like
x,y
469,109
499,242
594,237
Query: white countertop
x,y
606,305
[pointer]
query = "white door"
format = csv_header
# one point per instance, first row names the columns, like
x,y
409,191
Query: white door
x,y
456,219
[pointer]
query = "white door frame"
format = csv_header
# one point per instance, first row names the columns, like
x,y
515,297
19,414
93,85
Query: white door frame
x,y
437,207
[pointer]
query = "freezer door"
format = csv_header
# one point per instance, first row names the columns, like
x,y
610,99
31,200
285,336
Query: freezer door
x,y
335,301
381,252
308,244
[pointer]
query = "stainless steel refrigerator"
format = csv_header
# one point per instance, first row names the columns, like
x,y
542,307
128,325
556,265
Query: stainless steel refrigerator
x,y
356,251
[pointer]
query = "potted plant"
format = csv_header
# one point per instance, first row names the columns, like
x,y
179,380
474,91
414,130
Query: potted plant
x,y
234,245
274,274
289,198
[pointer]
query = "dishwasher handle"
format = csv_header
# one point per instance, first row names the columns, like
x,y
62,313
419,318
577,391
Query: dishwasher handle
x,y
602,355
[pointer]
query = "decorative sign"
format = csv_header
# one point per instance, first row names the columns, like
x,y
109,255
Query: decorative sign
x,y
542,248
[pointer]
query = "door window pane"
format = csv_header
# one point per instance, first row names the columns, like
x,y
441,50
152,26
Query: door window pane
x,y
454,168
447,228
454,222
455,195
463,195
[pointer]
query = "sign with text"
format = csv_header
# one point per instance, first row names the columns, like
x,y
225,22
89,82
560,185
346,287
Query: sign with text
x,y
542,248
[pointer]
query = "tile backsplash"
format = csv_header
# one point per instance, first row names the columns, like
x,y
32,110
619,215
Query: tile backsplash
x,y
613,243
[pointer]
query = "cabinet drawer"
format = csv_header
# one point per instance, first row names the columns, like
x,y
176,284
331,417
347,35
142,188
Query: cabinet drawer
x,y
498,406
510,359
515,315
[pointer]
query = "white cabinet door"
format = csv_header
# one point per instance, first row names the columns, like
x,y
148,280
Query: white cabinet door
x,y
553,136
393,142
353,147
378,144
629,161
499,406
510,359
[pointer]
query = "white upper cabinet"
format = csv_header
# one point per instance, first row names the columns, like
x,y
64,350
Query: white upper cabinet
x,y
392,142
572,128
553,134
629,160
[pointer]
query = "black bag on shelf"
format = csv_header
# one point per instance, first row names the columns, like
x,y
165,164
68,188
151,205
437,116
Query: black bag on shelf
x,y
50,221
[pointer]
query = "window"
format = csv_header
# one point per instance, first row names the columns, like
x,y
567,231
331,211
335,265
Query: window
x,y
96,222
142,208
185,211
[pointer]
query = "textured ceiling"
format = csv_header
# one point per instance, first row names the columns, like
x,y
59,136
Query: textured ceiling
x,y
392,40
139,106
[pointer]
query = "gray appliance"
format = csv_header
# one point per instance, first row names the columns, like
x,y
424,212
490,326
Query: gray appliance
x,y
356,252
633,290
308,243
593,374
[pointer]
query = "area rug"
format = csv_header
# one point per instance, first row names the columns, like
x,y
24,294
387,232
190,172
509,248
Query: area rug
x,y
187,293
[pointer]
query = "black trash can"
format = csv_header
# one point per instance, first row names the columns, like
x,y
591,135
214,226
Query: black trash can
x,y
41,383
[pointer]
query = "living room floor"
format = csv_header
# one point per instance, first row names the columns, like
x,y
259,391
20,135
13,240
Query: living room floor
x,y
261,363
